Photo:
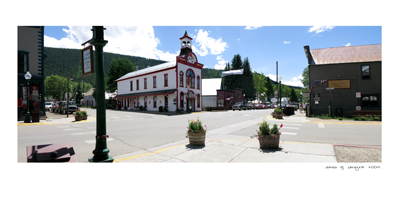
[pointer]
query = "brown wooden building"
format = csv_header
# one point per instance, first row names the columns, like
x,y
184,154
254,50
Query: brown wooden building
x,y
226,98
352,72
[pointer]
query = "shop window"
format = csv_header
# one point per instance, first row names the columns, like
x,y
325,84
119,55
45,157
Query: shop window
x,y
316,82
23,62
181,98
369,101
155,102
190,79
165,101
220,103
198,100
181,79
365,72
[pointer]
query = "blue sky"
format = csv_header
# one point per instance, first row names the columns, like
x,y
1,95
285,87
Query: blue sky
x,y
216,45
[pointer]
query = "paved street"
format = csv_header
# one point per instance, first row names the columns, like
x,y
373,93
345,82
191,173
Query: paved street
x,y
137,133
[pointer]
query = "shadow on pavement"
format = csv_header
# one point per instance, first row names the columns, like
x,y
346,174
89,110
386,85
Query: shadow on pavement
x,y
192,147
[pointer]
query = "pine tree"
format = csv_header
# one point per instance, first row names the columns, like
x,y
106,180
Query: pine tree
x,y
247,83
118,69
270,88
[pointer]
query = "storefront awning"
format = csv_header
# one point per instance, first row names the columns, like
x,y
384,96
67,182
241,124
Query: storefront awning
x,y
153,93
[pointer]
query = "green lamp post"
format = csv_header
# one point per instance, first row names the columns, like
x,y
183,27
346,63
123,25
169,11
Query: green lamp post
x,y
280,98
101,151
28,76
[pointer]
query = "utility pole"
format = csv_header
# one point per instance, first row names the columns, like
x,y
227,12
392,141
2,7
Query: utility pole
x,y
101,151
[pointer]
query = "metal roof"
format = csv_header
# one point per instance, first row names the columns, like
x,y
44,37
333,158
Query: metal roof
x,y
148,70
347,54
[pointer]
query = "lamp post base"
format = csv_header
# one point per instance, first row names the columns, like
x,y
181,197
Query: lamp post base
x,y
27,118
106,159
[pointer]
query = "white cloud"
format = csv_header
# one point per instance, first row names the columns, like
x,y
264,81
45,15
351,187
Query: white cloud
x,y
294,81
348,44
208,44
135,41
318,29
286,42
238,39
221,63
251,27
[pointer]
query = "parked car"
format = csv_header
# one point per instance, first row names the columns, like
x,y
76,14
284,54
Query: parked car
x,y
257,106
47,105
71,108
268,105
238,106
249,105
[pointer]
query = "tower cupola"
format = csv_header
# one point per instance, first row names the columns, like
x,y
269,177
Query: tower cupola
x,y
186,44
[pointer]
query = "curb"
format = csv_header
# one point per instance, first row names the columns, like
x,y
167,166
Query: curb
x,y
26,124
356,146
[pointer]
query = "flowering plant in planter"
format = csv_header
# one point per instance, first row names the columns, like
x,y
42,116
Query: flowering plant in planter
x,y
268,137
196,132
196,126
278,111
266,131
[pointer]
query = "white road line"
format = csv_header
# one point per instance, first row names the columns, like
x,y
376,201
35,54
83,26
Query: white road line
x,y
321,125
83,133
288,133
294,124
94,141
73,129
62,126
290,127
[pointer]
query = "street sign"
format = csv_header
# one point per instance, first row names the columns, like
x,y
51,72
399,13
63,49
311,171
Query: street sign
x,y
358,94
70,95
358,108
276,92
330,88
273,100
87,60
306,95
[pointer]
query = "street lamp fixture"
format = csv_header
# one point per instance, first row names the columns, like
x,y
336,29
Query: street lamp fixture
x,y
28,76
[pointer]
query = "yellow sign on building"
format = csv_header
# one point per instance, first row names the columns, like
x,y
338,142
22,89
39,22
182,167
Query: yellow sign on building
x,y
339,84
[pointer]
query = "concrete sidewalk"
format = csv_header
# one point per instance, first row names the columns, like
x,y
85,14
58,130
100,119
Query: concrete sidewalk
x,y
230,148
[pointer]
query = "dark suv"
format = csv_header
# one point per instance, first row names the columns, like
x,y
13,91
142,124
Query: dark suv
x,y
71,108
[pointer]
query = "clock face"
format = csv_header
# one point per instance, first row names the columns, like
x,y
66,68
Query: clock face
x,y
191,59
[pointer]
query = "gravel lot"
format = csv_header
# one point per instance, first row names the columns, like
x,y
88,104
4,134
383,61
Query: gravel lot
x,y
357,154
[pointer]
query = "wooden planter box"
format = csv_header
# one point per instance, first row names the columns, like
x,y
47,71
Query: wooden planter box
x,y
197,139
267,142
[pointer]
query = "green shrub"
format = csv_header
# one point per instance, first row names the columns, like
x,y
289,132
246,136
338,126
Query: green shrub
x,y
78,114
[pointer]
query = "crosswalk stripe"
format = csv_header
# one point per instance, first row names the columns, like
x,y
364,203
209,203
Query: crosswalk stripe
x,y
288,133
94,141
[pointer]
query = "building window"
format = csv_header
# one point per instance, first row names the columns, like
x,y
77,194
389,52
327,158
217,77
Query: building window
x,y
220,103
198,82
154,82
145,83
166,101
165,80
23,62
131,85
365,72
316,82
369,100
190,79
137,84
181,98
145,102
155,102
198,100
181,79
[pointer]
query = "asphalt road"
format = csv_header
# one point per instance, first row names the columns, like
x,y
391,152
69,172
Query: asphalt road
x,y
134,131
